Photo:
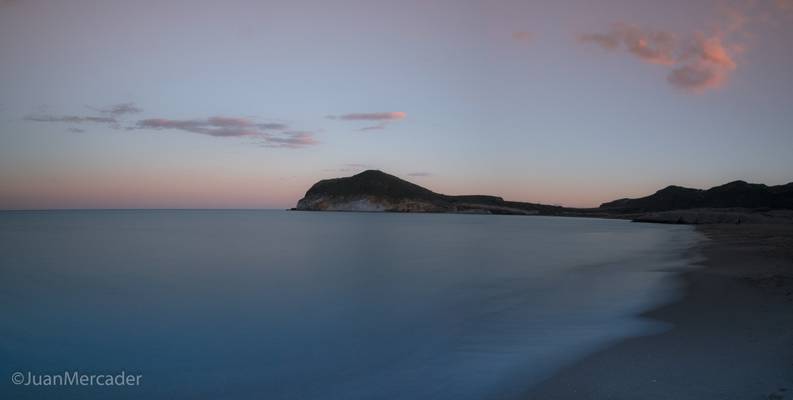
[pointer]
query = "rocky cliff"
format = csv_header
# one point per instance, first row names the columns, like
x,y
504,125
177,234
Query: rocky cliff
x,y
374,190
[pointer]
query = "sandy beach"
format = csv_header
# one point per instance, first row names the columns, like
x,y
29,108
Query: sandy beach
x,y
731,335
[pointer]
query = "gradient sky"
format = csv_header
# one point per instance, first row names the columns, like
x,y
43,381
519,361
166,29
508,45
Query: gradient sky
x,y
245,104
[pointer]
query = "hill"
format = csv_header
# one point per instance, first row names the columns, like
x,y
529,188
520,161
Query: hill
x,y
374,190
737,194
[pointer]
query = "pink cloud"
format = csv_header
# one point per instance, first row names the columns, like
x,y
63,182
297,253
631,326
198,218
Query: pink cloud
x,y
705,64
696,77
710,50
649,46
786,5
523,36
697,63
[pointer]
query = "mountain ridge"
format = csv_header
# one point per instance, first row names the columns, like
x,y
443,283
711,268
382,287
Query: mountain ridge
x,y
735,194
374,190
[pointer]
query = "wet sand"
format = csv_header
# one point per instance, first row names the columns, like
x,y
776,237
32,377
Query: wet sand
x,y
731,335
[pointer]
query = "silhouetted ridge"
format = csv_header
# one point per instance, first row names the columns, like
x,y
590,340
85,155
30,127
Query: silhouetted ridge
x,y
737,194
736,201
374,190
372,183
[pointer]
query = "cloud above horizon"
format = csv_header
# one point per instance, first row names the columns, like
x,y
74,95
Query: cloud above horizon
x,y
377,127
374,116
69,119
117,110
649,46
109,116
270,134
523,36
357,165
383,119
349,167
696,63
289,139
705,64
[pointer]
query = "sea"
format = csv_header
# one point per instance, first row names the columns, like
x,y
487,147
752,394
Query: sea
x,y
270,304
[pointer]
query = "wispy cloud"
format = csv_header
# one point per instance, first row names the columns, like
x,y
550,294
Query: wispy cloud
x,y
111,116
377,127
118,110
608,41
349,167
383,119
215,126
290,139
655,47
357,165
69,119
267,134
272,125
270,134
375,116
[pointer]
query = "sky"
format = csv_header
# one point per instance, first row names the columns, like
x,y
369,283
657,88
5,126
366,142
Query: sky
x,y
245,104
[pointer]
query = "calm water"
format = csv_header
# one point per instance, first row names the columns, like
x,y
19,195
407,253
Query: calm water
x,y
293,305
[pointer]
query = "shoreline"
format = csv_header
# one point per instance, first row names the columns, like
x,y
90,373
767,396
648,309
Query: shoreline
x,y
731,336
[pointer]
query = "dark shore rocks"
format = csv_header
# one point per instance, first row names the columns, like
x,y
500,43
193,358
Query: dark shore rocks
x,y
718,216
